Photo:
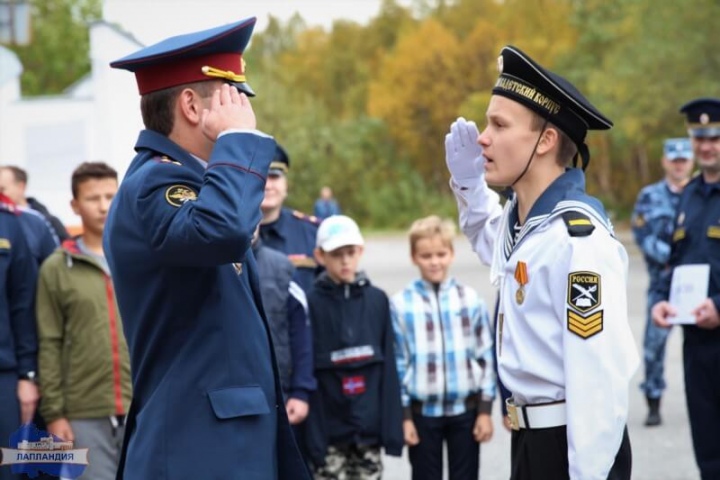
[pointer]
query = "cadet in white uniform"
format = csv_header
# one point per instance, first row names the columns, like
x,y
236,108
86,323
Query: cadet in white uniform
x,y
564,346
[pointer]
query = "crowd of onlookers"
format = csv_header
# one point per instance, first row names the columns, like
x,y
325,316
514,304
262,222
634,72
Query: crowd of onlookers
x,y
360,371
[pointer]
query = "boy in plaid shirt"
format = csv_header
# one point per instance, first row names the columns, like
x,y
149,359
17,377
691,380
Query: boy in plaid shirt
x,y
444,353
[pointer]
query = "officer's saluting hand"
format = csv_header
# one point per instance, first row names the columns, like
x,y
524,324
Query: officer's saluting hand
x,y
229,109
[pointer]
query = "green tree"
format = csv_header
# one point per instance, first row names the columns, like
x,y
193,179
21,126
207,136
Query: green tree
x,y
58,52
641,61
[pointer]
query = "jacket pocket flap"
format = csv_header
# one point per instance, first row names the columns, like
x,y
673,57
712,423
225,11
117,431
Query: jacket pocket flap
x,y
238,402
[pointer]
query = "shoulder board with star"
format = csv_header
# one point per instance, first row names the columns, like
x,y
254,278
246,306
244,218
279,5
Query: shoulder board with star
x,y
308,218
578,224
166,159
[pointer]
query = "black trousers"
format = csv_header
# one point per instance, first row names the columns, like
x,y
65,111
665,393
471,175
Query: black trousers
x,y
542,454
702,393
426,458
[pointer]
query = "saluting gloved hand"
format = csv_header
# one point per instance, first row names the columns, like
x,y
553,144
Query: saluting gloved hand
x,y
463,155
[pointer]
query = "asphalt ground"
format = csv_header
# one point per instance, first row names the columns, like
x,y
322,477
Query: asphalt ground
x,y
659,453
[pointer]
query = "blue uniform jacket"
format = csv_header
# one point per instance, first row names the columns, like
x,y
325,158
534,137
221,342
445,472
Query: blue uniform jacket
x,y
207,400
696,239
652,225
294,234
18,278
39,236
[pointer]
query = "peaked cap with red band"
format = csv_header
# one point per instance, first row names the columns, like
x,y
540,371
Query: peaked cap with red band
x,y
194,57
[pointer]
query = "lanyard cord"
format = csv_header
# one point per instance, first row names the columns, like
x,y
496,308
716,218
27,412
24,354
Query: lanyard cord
x,y
532,154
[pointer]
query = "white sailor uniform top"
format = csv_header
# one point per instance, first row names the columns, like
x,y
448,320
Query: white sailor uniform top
x,y
562,330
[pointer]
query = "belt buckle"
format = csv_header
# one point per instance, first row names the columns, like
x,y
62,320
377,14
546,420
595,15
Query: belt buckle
x,y
512,414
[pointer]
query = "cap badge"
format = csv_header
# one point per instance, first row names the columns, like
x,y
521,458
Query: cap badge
x,y
704,118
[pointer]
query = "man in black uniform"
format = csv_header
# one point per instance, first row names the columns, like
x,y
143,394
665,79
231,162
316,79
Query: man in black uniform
x,y
288,231
696,240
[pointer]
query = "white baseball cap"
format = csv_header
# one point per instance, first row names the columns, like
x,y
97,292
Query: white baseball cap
x,y
338,231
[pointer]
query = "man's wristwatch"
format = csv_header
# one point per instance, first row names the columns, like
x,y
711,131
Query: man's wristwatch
x,y
30,376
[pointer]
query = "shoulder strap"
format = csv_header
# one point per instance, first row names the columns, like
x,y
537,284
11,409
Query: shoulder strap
x,y
578,224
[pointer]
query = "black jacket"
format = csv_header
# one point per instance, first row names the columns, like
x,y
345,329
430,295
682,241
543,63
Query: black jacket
x,y
358,397
55,222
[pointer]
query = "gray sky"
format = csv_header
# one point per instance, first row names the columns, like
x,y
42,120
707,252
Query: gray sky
x,y
153,20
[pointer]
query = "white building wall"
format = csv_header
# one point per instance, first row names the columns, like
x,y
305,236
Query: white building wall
x,y
98,120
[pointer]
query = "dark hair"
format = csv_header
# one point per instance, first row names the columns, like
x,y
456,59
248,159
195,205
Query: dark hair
x,y
157,107
91,170
19,174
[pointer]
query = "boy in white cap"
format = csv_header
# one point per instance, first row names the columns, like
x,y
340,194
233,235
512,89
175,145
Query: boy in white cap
x,y
356,409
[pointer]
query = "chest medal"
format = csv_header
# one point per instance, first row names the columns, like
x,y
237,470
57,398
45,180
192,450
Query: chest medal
x,y
521,276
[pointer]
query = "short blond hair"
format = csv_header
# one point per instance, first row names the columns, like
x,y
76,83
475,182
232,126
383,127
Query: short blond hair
x,y
429,227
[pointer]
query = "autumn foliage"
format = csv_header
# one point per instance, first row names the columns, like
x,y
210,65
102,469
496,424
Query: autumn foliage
x,y
365,108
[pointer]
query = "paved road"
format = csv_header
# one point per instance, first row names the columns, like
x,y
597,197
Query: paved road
x,y
660,453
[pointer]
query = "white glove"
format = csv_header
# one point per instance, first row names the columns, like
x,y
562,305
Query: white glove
x,y
463,155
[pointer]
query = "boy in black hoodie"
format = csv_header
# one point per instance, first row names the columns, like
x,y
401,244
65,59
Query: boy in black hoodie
x,y
356,409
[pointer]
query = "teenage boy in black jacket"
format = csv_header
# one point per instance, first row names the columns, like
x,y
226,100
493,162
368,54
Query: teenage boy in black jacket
x,y
356,409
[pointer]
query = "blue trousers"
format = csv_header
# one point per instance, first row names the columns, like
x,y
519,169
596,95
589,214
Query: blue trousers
x,y
702,393
654,343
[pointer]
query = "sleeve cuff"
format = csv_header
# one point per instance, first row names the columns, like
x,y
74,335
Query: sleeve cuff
x,y
244,130
716,300
27,364
485,406
300,395
485,403
407,413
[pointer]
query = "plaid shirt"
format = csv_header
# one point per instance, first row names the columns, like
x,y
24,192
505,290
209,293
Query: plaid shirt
x,y
443,347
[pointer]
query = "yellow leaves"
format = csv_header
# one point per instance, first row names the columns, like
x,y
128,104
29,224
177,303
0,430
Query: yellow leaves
x,y
303,67
433,75
417,92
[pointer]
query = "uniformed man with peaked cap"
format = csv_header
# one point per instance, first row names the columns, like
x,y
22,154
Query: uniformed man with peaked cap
x,y
286,230
207,400
696,240
564,346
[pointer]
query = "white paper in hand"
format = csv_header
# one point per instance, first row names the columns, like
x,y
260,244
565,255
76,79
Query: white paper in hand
x,y
688,289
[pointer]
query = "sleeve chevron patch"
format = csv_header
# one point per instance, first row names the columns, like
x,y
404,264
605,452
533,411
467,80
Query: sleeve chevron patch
x,y
584,326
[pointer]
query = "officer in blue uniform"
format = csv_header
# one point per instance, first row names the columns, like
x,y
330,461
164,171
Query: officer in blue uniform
x,y
652,225
207,398
696,240
18,334
288,231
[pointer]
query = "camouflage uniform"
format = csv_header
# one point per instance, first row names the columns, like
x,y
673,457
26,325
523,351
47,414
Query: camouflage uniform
x,y
356,462
652,225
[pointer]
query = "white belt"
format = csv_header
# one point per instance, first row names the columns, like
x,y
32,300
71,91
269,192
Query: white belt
x,y
546,415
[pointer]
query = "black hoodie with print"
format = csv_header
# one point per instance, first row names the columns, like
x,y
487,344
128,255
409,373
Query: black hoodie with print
x,y
358,397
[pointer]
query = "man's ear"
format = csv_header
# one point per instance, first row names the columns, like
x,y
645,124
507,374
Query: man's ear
x,y
550,139
190,106
74,206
